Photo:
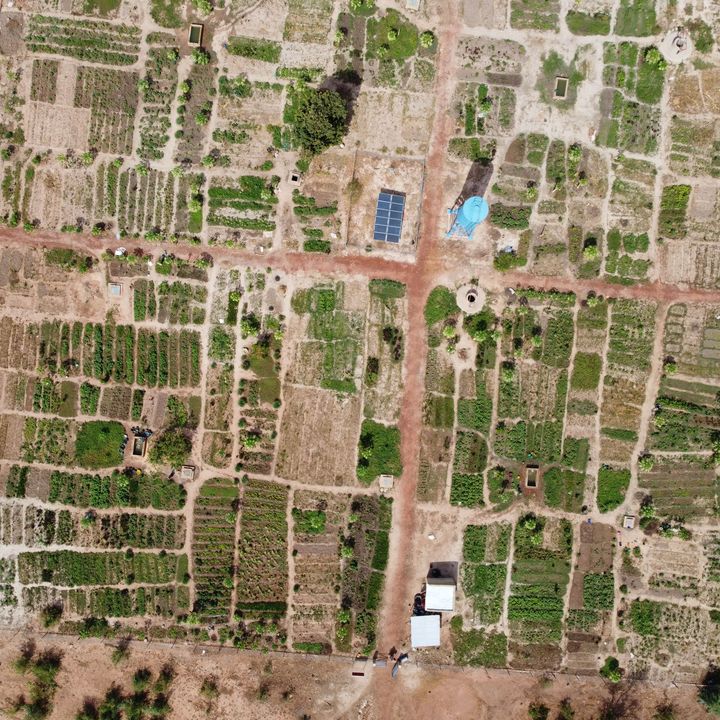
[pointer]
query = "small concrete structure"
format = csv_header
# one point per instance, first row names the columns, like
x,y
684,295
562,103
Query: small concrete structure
x,y
440,586
629,522
114,289
532,476
386,482
139,446
195,34
425,631
561,87
676,46
470,299
359,666
187,473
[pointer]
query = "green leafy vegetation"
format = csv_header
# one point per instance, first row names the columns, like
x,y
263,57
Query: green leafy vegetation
x,y
98,444
440,305
478,648
598,591
580,23
586,371
540,576
612,484
645,617
131,488
254,48
378,451
563,488
673,210
636,18
310,522
511,217
172,447
68,259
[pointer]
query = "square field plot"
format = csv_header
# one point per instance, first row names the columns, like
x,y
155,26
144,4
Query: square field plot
x,y
397,122
386,215
318,437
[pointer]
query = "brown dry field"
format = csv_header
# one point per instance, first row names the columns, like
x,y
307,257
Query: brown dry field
x,y
318,687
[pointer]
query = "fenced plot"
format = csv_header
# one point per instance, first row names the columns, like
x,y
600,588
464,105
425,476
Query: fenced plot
x,y
262,555
69,568
308,21
247,204
158,92
111,96
692,339
485,555
215,516
317,521
128,489
318,436
44,80
332,328
363,568
168,358
145,201
197,111
92,40
147,600
686,488
541,567
591,596
385,350
43,128
48,440
135,530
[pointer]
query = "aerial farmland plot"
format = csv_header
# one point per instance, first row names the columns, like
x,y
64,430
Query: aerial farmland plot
x,y
333,328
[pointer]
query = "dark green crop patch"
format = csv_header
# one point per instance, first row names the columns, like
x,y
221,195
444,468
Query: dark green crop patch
x,y
98,444
379,451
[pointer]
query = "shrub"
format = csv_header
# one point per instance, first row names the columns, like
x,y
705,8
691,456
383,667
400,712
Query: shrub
x,y
611,670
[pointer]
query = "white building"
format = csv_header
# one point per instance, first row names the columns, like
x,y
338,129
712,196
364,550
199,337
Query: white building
x,y
425,631
440,594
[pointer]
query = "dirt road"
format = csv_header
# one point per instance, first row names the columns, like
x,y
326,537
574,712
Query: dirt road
x,y
398,595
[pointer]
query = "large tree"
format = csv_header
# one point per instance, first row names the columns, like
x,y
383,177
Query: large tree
x,y
171,447
320,119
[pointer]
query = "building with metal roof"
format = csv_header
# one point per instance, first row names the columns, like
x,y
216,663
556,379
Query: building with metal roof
x,y
425,631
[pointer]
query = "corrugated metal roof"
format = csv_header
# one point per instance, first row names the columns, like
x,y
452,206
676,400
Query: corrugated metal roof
x,y
425,631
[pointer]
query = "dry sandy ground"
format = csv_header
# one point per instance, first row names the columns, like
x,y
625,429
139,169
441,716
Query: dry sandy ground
x,y
297,687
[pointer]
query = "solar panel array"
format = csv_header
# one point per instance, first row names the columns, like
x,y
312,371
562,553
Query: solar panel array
x,y
389,216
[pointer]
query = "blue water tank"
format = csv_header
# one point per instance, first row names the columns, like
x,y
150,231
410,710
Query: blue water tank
x,y
473,211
